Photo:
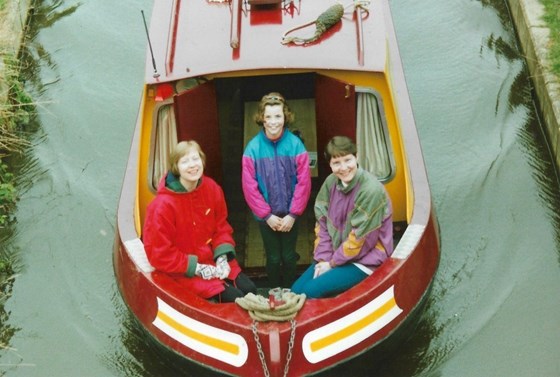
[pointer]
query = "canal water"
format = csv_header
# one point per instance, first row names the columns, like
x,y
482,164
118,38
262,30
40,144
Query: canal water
x,y
494,308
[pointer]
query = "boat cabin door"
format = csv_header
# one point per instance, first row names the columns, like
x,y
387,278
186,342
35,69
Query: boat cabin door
x,y
196,115
335,107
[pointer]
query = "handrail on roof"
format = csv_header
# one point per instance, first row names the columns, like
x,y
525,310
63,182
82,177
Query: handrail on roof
x,y
172,36
360,31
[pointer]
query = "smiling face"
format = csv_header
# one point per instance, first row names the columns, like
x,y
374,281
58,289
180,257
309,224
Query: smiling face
x,y
191,168
344,167
273,121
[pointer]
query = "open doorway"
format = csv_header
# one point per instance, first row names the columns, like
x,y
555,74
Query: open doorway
x,y
219,115
238,100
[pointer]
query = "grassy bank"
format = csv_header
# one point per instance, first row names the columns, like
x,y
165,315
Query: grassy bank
x,y
15,104
15,108
14,115
552,19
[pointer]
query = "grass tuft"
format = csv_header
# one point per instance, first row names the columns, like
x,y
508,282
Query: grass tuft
x,y
15,110
552,19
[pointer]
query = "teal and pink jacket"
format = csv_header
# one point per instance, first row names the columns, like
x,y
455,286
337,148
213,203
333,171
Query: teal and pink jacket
x,y
276,177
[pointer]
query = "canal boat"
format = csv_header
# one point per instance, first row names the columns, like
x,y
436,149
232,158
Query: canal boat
x,y
208,63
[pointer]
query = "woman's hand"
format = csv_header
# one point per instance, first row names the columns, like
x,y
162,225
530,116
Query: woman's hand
x,y
286,223
222,267
206,271
321,268
274,222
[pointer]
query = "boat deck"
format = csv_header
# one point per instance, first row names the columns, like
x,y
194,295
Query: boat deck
x,y
180,51
250,249
255,255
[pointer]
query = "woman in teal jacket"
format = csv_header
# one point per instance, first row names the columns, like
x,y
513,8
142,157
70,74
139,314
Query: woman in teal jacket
x,y
276,181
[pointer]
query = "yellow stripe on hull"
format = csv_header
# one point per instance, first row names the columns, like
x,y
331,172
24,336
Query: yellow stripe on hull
x,y
346,332
208,340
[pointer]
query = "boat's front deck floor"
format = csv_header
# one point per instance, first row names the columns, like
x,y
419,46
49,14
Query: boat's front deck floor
x,y
255,255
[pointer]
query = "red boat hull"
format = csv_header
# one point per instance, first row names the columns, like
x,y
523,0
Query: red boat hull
x,y
325,332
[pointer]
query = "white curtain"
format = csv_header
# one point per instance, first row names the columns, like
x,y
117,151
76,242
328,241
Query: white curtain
x,y
165,140
373,153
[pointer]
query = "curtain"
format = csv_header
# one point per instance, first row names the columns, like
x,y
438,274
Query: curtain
x,y
165,140
373,153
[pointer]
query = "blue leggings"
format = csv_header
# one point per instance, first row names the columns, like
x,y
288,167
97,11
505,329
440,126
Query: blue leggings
x,y
329,284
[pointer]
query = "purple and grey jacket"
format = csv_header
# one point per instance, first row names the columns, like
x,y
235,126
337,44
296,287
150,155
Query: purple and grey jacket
x,y
276,177
354,223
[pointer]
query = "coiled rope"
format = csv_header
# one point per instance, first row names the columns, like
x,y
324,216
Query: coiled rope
x,y
259,308
324,22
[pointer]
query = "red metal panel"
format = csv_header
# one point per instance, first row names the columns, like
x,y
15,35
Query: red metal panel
x,y
335,106
196,113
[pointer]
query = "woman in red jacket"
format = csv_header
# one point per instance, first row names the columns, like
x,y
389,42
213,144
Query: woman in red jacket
x,y
186,232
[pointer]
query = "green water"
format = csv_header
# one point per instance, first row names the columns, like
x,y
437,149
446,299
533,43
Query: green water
x,y
493,310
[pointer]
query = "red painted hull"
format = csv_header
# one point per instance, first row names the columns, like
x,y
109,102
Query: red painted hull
x,y
410,279
327,331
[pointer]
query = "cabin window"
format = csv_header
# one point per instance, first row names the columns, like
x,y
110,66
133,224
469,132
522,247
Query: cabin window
x,y
372,137
165,138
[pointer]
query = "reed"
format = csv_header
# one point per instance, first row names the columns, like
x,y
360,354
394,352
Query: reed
x,y
15,107
15,111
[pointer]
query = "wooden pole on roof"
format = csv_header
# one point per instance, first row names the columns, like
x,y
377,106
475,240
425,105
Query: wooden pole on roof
x,y
234,27
360,31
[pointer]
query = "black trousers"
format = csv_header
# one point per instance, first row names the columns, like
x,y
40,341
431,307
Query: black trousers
x,y
236,288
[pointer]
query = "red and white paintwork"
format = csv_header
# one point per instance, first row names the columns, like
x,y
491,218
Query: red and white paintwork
x,y
194,38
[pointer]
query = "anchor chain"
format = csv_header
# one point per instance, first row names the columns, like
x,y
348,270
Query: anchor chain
x,y
290,347
289,353
260,349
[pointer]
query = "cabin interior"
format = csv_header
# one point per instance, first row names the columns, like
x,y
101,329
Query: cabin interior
x,y
219,115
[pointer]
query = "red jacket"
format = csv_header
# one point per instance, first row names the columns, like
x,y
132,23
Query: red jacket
x,y
185,228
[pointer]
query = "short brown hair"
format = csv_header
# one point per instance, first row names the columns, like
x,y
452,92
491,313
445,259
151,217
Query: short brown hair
x,y
272,99
340,146
182,149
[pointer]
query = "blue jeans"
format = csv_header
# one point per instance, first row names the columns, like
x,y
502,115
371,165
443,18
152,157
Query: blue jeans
x,y
329,284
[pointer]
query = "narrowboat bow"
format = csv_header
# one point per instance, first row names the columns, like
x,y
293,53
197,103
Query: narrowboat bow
x,y
207,66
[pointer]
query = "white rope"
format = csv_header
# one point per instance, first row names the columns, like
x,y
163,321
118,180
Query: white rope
x,y
259,308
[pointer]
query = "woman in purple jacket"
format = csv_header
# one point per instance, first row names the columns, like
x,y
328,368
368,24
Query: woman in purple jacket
x,y
276,182
354,225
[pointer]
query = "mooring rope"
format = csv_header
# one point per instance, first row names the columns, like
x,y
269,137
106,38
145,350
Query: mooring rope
x,y
324,22
260,308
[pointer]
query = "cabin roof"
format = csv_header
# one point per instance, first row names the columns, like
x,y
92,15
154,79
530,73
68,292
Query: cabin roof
x,y
193,38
